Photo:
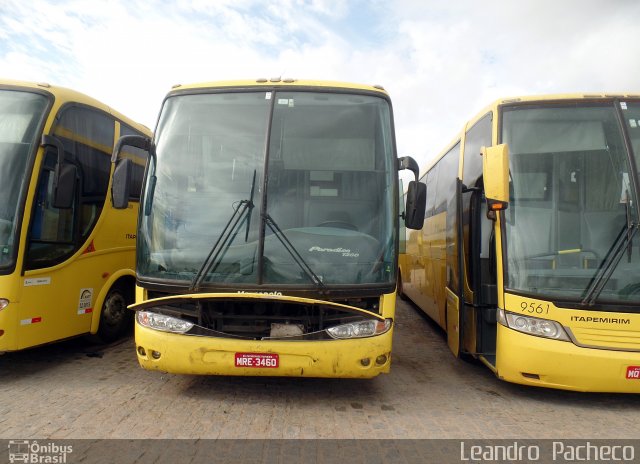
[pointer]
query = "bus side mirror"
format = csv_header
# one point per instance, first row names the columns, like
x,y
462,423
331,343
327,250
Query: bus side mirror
x,y
416,195
121,184
122,173
407,162
416,204
495,172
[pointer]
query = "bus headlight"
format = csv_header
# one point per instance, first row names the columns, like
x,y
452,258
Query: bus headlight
x,y
3,303
360,329
533,325
164,323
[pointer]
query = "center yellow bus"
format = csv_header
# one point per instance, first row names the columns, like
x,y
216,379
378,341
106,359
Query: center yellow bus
x,y
66,257
529,257
268,232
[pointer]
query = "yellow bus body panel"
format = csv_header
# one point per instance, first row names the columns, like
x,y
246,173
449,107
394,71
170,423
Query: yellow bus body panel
x,y
600,356
598,363
44,304
270,84
188,354
424,268
55,304
563,365
209,355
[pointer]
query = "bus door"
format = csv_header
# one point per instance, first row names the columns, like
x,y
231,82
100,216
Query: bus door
x,y
457,312
43,306
478,263
482,280
478,298
61,279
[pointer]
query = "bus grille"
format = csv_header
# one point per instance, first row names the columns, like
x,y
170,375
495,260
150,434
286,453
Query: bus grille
x,y
617,339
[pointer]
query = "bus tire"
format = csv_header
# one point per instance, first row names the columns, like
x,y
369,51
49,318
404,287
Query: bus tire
x,y
115,318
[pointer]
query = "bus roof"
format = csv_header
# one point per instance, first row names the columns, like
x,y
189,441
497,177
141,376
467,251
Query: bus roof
x,y
548,98
278,82
565,96
64,95
493,106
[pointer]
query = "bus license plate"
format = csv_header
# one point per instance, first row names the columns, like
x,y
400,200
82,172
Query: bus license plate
x,y
261,360
633,372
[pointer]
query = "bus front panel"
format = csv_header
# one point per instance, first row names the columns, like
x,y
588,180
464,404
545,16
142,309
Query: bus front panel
x,y
591,351
254,334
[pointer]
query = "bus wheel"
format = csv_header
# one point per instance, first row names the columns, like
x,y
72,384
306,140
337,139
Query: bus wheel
x,y
115,318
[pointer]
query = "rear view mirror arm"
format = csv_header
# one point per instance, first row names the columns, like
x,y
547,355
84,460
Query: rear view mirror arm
x,y
407,162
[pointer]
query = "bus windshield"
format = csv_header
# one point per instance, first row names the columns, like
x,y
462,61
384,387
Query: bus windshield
x,y
20,116
274,188
572,223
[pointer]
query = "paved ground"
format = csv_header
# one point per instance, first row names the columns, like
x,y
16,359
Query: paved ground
x,y
76,390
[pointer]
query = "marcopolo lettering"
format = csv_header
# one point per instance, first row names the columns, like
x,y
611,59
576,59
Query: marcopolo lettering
x,y
262,293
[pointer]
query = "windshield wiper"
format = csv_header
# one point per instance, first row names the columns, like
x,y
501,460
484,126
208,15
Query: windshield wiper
x,y
297,258
229,232
623,242
630,233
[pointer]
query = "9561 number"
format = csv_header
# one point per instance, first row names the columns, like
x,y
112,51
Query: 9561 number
x,y
531,307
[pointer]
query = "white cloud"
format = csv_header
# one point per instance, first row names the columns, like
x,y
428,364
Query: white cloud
x,y
441,61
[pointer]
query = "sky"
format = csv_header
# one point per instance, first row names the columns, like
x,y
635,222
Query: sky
x,y
441,61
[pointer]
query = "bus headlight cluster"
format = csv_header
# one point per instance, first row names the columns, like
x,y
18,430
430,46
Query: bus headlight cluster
x,y
162,322
360,329
3,303
533,325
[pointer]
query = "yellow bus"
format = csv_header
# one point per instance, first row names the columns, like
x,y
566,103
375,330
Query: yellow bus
x,y
529,257
268,232
66,256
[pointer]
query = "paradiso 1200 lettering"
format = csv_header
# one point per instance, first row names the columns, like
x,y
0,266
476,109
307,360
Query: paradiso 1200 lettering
x,y
344,251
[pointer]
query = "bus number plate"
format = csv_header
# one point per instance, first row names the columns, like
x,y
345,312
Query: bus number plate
x,y
633,372
261,360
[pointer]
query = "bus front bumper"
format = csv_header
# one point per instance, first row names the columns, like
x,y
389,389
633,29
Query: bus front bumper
x,y
542,362
203,355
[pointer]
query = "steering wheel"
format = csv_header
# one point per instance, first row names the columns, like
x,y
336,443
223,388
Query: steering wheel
x,y
338,224
559,253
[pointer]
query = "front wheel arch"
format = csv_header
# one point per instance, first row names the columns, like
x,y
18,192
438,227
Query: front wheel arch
x,y
115,318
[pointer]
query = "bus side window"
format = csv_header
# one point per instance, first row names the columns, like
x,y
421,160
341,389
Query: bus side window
x,y
479,264
52,228
139,158
87,137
